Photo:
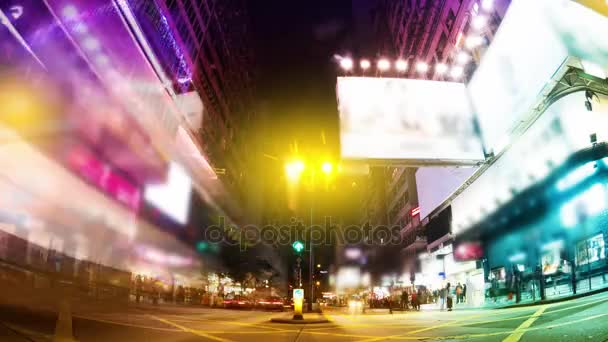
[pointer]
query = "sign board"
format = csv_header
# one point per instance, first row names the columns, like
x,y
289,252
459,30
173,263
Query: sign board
x,y
516,70
436,184
298,294
406,119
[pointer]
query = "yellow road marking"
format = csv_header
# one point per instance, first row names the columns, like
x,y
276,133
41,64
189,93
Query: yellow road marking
x,y
544,313
125,324
518,332
217,321
192,331
469,336
432,327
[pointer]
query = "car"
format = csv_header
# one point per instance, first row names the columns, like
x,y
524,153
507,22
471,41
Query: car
x,y
238,302
271,303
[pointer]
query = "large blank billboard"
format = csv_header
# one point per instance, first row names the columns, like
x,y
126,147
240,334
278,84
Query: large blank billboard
x,y
404,119
436,184
534,39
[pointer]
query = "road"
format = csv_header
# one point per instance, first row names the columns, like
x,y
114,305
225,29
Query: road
x,y
583,319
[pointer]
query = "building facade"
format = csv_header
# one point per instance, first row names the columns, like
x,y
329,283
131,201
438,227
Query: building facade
x,y
436,32
204,46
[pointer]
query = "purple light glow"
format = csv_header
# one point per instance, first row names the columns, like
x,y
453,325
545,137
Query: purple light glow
x,y
101,174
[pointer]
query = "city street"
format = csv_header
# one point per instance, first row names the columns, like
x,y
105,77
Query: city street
x,y
581,319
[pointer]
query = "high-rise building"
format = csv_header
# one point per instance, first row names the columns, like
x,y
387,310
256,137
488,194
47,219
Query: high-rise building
x,y
446,35
203,47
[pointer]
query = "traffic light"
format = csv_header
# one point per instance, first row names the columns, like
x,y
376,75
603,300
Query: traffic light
x,y
298,246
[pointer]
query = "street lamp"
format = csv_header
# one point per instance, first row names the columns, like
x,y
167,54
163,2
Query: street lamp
x,y
346,64
327,168
294,169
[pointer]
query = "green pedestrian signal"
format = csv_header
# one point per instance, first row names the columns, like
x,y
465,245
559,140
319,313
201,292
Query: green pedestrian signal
x,y
298,246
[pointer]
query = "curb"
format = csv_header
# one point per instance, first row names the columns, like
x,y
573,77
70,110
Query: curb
x,y
555,300
301,321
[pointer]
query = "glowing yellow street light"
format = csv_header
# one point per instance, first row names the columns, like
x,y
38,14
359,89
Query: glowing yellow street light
x,y
294,169
327,167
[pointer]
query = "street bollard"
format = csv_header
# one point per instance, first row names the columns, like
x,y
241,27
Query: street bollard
x,y
63,328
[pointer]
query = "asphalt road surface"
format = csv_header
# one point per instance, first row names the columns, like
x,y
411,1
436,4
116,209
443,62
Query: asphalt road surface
x,y
583,319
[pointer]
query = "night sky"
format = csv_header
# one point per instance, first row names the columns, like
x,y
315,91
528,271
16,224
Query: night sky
x,y
294,43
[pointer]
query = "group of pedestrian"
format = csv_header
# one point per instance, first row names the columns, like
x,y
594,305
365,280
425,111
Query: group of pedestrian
x,y
413,299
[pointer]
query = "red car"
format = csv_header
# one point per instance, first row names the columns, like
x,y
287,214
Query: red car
x,y
238,302
270,303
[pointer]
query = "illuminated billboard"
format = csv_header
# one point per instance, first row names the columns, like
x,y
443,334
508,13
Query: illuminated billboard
x,y
563,129
523,63
404,119
436,184
172,197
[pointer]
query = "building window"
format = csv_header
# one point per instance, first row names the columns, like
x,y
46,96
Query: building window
x,y
441,46
449,22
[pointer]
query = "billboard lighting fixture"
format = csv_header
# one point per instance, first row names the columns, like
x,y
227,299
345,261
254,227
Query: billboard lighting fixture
x,y
479,22
462,57
346,64
384,64
401,65
441,68
422,67
69,12
456,71
364,64
473,41
487,5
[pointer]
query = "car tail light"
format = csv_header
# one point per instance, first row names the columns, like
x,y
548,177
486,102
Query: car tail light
x,y
241,303
277,302
264,302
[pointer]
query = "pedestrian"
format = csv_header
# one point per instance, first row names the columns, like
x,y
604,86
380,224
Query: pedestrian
x,y
138,288
464,293
404,300
442,298
458,293
414,300
449,301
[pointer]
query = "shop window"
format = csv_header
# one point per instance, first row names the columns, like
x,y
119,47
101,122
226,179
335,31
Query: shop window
x,y
590,250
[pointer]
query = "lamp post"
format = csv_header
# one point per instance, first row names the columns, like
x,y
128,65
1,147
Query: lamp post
x,y
294,171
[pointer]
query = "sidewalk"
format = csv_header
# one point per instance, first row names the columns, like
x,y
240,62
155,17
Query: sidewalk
x,y
503,303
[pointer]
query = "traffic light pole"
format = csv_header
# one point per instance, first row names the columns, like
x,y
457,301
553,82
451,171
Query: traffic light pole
x,y
310,274
310,247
